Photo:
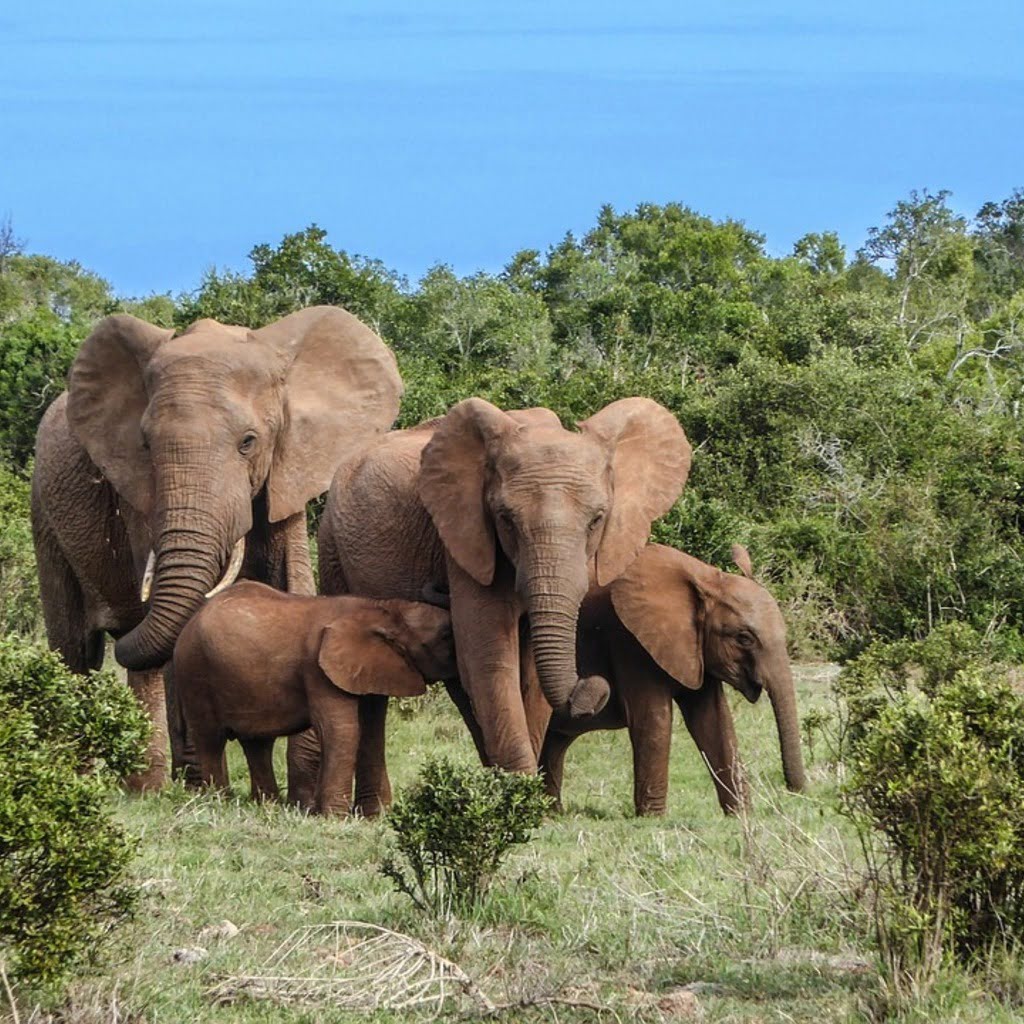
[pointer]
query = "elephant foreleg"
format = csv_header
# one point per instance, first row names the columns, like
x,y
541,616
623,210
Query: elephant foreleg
x,y
648,705
485,624
535,704
148,688
709,720
259,754
373,787
303,769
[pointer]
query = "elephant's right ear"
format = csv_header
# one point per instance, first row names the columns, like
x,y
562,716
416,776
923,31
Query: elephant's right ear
x,y
106,400
358,659
663,609
451,483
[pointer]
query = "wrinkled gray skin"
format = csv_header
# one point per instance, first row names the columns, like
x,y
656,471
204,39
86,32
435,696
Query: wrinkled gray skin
x,y
514,516
674,629
183,445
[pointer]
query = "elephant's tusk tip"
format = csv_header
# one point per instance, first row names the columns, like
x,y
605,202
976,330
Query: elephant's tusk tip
x,y
233,569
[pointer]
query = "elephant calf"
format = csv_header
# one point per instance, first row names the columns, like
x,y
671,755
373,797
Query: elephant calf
x,y
255,663
674,629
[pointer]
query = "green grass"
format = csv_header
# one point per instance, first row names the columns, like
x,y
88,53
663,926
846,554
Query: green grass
x,y
760,913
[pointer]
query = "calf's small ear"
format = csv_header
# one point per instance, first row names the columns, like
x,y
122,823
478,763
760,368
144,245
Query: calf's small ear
x,y
359,660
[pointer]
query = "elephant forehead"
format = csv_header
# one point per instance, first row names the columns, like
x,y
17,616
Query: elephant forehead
x,y
185,359
570,455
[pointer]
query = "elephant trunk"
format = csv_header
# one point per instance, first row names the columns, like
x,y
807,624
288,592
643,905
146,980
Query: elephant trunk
x,y
191,546
782,694
554,593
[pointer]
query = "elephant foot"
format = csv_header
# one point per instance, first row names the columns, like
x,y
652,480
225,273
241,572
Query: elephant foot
x,y
153,778
589,696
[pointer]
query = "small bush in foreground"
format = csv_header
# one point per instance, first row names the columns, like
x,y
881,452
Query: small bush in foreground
x,y
935,752
455,827
64,741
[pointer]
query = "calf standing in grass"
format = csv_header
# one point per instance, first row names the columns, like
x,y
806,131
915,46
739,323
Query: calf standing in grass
x,y
255,663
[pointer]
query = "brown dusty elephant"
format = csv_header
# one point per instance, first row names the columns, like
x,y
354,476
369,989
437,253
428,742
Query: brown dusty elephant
x,y
673,628
166,452
254,663
514,516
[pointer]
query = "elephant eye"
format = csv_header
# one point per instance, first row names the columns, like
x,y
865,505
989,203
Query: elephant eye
x,y
745,639
247,443
596,521
506,518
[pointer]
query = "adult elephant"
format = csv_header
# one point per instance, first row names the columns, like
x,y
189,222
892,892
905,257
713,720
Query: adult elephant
x,y
514,516
673,628
175,460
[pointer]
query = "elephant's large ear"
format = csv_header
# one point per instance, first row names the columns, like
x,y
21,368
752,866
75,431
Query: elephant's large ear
x,y
341,387
452,483
358,659
650,459
107,398
664,609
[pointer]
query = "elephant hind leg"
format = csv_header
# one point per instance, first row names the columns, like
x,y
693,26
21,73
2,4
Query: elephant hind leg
x,y
332,576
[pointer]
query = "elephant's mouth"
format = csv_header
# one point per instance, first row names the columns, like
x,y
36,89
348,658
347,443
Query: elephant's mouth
x,y
751,689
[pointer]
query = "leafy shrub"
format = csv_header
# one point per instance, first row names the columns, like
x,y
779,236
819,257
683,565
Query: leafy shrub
x,y
64,741
455,827
20,611
934,745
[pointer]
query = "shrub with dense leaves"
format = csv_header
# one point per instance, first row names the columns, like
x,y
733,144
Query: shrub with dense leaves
x,y
934,745
20,611
64,741
454,828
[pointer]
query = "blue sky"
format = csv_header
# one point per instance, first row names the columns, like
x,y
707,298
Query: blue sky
x,y
150,140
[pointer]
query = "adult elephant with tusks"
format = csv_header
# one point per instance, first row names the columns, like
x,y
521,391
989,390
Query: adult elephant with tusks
x,y
515,517
173,462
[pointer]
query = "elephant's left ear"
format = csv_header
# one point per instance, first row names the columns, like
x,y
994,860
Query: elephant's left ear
x,y
341,388
650,460
359,659
663,608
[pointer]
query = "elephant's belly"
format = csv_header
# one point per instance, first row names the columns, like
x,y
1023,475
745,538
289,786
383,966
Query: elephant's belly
x,y
258,722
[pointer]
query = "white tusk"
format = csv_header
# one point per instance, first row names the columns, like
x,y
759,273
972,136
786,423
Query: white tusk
x,y
233,569
147,577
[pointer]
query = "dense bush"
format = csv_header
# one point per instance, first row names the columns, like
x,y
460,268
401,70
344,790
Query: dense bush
x,y
64,741
934,746
20,611
454,828
856,422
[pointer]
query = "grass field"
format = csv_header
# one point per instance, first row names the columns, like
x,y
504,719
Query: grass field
x,y
757,917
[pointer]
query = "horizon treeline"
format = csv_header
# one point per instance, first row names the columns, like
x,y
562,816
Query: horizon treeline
x,y
856,418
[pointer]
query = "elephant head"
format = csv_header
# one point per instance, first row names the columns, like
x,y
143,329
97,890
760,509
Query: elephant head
x,y
564,508
699,623
190,429
392,649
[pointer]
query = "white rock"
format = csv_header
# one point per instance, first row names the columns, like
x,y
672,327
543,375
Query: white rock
x,y
189,955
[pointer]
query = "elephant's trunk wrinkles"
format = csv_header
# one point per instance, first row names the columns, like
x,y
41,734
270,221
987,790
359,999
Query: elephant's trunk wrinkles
x,y
553,600
191,552
782,694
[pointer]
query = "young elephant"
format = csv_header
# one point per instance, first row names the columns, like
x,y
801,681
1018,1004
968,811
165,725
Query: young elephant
x,y
674,629
255,663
